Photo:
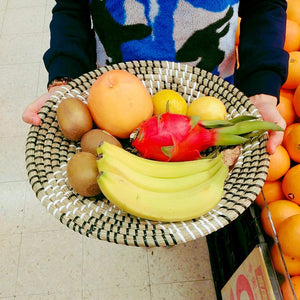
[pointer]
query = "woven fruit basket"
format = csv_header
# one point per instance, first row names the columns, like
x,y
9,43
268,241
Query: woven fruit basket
x,y
47,154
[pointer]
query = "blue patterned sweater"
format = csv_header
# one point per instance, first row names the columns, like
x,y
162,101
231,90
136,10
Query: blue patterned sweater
x,y
86,34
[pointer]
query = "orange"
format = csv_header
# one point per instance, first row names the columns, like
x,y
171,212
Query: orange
x,y
272,191
279,164
286,109
293,78
291,184
292,263
293,10
292,142
292,36
119,102
287,291
279,210
287,93
286,132
296,101
289,236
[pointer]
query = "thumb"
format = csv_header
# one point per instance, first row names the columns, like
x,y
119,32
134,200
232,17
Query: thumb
x,y
31,117
275,139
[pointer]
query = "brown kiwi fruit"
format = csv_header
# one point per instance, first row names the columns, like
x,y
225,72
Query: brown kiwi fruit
x,y
82,174
74,118
90,140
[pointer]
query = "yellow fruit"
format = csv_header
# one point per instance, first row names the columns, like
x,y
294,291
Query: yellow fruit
x,y
169,100
208,108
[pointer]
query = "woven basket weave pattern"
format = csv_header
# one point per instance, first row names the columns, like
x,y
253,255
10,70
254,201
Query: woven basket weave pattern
x,y
47,154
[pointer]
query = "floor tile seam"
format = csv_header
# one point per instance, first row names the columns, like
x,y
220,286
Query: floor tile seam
x,y
13,293
2,22
135,286
24,207
15,136
45,18
148,271
39,70
5,65
13,181
40,77
48,292
27,233
6,5
20,64
182,281
18,267
31,294
24,34
22,7
82,266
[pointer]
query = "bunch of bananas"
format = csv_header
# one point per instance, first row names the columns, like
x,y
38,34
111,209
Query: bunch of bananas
x,y
160,191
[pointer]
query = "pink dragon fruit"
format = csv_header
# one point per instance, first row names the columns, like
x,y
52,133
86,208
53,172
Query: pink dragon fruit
x,y
175,137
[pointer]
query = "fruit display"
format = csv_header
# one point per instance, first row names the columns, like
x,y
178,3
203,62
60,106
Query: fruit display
x,y
287,232
279,210
287,291
164,175
280,201
292,263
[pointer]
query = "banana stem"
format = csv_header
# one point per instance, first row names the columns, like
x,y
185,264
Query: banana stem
x,y
249,126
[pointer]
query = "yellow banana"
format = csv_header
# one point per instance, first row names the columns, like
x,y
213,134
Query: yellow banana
x,y
110,163
166,207
158,168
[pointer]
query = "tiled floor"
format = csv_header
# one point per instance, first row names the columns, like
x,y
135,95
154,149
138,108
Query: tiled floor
x,y
39,257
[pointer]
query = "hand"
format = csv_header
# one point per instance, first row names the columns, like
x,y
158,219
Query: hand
x,y
266,105
30,114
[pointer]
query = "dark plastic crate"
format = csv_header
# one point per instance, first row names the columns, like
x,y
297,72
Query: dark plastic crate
x,y
230,246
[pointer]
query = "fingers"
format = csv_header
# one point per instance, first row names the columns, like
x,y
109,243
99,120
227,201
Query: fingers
x,y
267,106
31,117
275,139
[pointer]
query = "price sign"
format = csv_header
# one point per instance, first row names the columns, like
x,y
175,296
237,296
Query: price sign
x,y
251,281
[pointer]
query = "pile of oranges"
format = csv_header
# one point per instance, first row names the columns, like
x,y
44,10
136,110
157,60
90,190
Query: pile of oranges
x,y
282,186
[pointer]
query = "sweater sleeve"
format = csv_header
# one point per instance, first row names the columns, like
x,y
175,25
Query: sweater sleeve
x,y
72,49
263,62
